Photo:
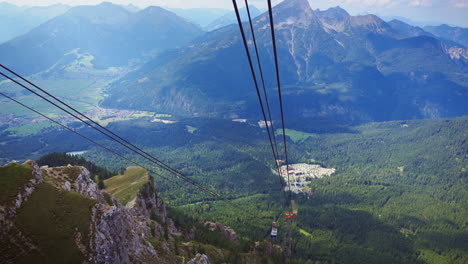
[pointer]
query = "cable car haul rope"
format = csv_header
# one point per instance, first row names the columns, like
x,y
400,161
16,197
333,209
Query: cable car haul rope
x,y
156,163
288,214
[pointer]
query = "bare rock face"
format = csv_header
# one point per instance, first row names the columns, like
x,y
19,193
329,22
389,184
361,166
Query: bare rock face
x,y
148,205
84,185
121,238
457,53
228,232
117,234
200,259
122,232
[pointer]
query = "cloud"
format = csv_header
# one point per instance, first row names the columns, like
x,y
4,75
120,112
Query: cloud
x,y
459,3
421,3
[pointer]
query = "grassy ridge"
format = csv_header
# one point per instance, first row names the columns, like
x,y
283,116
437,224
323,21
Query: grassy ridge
x,y
12,179
127,186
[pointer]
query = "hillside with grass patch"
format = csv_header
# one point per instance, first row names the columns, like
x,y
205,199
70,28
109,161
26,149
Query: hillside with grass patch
x,y
127,186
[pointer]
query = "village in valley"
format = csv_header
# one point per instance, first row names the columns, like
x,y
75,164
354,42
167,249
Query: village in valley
x,y
302,174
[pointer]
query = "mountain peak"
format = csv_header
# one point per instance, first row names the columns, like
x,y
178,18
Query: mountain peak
x,y
104,13
297,12
333,15
154,9
336,11
303,4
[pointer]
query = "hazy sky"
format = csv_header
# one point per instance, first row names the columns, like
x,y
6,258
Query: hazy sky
x,y
453,12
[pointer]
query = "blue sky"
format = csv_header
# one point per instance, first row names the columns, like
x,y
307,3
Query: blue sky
x,y
452,12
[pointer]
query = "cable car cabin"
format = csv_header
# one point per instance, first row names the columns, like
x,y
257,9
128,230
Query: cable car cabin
x,y
274,230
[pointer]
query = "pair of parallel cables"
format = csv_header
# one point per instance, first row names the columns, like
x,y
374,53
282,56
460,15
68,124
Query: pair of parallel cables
x,y
268,121
271,134
156,163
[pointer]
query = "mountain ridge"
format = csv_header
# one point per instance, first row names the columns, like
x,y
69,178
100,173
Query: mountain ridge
x,y
96,30
352,70
59,214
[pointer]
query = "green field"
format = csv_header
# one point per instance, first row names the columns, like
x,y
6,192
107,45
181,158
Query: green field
x,y
81,94
296,136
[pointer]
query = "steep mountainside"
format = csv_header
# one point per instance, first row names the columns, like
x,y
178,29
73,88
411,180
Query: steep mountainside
x,y
16,20
58,214
200,16
61,215
110,34
333,65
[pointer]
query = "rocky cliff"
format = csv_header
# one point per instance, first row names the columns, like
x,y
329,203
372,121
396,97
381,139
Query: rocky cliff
x,y
59,215
106,232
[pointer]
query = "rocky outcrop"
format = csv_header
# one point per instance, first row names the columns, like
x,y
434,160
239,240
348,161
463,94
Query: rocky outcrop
x,y
200,259
122,232
117,234
120,237
228,232
457,53
84,185
109,232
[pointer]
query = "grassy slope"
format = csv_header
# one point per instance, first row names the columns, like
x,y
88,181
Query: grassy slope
x,y
12,178
126,187
50,218
53,218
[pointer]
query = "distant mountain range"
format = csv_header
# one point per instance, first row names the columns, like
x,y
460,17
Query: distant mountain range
x,y
230,18
333,65
109,33
456,34
200,16
16,20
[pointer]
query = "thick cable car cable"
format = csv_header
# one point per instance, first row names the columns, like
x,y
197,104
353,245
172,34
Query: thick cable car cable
x,y
262,77
249,57
278,80
87,118
85,137
150,158
274,229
